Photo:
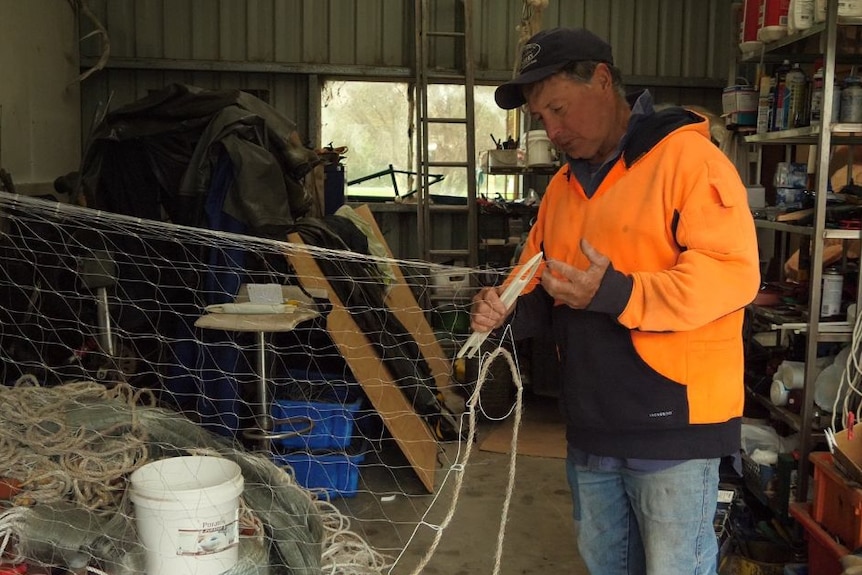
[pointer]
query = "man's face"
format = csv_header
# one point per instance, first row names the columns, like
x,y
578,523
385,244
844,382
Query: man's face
x,y
577,116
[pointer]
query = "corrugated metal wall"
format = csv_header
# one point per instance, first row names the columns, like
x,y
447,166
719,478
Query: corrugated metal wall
x,y
40,122
680,48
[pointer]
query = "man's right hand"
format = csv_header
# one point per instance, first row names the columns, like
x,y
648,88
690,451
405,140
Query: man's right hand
x,y
488,310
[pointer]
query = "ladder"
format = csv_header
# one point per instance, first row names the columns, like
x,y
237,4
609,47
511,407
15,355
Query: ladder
x,y
432,42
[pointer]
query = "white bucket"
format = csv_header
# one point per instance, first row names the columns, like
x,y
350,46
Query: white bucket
x,y
540,152
187,514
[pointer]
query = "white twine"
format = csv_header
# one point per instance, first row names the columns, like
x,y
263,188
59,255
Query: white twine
x,y
460,464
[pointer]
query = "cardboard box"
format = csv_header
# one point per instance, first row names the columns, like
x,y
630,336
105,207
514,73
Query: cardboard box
x,y
848,452
739,105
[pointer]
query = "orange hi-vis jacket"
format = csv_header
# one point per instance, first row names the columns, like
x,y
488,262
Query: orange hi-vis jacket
x,y
653,367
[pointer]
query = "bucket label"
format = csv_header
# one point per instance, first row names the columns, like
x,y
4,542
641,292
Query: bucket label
x,y
213,537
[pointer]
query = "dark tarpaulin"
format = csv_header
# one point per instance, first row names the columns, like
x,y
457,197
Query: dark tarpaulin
x,y
220,160
154,159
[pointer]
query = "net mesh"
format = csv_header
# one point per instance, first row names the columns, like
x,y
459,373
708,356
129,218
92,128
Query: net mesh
x,y
323,371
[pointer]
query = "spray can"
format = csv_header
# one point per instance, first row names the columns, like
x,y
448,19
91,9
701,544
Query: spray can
x,y
764,104
833,284
781,99
816,103
797,91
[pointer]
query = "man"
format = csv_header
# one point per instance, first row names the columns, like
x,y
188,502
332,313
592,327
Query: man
x,y
651,256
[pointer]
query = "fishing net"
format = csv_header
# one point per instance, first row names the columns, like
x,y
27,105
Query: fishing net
x,y
324,372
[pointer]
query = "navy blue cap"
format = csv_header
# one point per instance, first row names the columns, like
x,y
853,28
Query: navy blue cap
x,y
546,53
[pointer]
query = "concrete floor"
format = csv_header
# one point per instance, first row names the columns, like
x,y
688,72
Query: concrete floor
x,y
539,535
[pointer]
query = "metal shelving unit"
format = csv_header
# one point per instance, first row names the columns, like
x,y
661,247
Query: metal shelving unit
x,y
824,139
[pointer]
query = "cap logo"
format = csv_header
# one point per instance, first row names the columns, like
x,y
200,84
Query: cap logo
x,y
529,55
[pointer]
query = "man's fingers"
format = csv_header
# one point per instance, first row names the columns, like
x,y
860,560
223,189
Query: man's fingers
x,y
595,256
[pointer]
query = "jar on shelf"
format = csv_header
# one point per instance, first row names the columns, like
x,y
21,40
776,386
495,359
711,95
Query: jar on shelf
x,y
851,100
833,286
816,105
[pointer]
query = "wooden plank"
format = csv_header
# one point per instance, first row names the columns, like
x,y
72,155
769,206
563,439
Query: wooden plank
x,y
403,304
409,430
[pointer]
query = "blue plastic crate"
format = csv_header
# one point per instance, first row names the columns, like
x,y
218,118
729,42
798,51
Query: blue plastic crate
x,y
318,425
311,384
336,474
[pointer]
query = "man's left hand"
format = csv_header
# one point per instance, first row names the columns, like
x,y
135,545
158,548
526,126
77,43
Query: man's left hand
x,y
572,286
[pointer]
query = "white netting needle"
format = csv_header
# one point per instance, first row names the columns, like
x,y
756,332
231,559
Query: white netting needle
x,y
508,297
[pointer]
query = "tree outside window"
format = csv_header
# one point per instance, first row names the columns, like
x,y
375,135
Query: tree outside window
x,y
373,119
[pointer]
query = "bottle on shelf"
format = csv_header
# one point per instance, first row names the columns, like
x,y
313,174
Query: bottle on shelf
x,y
833,285
851,100
765,99
796,107
781,97
816,105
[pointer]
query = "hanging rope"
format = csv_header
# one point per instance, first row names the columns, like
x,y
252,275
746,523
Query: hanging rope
x,y
459,468
531,22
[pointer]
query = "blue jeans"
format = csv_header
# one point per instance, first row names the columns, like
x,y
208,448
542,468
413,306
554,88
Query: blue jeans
x,y
647,523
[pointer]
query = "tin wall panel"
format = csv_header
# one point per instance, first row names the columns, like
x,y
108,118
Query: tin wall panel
x,y
682,43
342,33
232,30
204,25
261,25
118,16
315,30
620,34
672,38
397,34
494,39
368,38
598,18
177,29
288,31
149,29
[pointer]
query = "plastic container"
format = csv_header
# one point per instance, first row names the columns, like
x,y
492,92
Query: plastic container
x,y
800,15
335,474
748,41
540,151
850,7
836,505
772,20
824,553
187,514
318,425
739,105
455,281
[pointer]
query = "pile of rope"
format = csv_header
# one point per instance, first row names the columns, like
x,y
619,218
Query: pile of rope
x,y
68,452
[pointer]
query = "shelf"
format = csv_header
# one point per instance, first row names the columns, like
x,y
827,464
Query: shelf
x,y
782,227
822,137
793,420
844,133
790,39
828,331
523,170
828,233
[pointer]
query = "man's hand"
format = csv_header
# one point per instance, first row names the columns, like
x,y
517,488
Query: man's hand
x,y
488,311
572,286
